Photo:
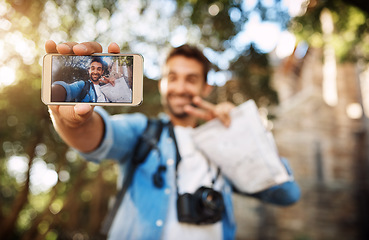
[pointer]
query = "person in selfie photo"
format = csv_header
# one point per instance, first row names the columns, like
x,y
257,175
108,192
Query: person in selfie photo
x,y
175,192
83,91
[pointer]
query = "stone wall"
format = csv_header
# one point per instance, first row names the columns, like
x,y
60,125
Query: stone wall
x,y
326,150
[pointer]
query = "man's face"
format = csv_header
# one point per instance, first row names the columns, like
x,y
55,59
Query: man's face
x,y
95,71
183,78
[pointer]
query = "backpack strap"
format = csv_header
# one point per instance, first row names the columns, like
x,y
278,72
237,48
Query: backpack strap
x,y
84,91
148,141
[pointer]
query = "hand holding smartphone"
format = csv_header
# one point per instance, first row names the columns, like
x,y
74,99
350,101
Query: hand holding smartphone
x,y
77,123
97,79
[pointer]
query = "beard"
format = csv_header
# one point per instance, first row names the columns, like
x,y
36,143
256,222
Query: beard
x,y
180,115
177,112
97,76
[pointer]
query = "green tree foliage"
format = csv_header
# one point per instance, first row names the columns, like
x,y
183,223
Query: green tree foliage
x,y
254,66
350,28
70,69
27,212
250,68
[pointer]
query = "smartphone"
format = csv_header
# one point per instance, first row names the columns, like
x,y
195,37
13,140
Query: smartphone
x,y
97,79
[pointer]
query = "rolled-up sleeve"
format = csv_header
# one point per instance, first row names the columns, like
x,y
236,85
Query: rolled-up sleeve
x,y
120,137
284,194
107,142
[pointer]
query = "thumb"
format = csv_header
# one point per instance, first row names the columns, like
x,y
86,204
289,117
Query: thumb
x,y
69,116
82,112
82,109
76,116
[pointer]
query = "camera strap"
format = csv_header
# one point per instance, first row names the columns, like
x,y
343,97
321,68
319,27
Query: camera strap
x,y
84,91
171,134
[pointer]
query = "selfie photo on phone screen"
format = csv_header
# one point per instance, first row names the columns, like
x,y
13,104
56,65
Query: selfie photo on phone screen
x,y
97,79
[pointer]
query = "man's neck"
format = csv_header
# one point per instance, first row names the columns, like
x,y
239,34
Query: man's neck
x,y
95,82
184,122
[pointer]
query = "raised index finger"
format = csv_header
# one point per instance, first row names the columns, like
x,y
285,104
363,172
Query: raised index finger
x,y
65,48
201,103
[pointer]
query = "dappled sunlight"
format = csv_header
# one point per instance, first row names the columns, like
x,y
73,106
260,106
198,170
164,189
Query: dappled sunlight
x,y
364,83
329,67
48,191
7,76
286,45
354,111
17,167
43,176
219,78
296,7
14,47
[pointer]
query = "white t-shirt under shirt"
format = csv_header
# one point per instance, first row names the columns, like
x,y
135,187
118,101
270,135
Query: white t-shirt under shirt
x,y
193,171
100,96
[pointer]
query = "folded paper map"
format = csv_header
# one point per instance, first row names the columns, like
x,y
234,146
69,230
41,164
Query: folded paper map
x,y
119,93
245,152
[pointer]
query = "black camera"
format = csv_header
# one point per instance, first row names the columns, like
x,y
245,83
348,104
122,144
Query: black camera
x,y
205,206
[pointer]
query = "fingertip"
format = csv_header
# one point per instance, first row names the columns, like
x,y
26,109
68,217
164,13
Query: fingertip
x,y
228,123
63,48
50,46
80,49
187,108
87,48
197,100
113,48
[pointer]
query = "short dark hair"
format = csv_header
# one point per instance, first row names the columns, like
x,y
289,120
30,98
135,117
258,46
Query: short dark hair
x,y
193,52
99,60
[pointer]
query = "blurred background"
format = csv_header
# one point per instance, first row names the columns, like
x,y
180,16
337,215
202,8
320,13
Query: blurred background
x,y
305,63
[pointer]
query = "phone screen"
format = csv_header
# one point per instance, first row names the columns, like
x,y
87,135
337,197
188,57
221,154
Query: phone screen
x,y
99,79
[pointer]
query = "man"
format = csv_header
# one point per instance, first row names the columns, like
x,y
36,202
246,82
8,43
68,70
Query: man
x,y
149,211
83,91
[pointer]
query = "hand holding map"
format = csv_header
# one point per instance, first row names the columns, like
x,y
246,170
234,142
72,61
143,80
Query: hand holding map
x,y
245,151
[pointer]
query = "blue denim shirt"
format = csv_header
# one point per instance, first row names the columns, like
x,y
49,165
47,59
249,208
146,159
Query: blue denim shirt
x,y
74,89
143,211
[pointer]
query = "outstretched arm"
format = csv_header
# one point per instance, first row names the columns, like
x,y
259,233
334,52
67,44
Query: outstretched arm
x,y
284,194
79,126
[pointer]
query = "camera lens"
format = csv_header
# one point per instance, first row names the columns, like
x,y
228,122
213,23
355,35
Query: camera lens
x,y
211,199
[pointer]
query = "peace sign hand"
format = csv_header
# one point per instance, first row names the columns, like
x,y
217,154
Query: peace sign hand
x,y
208,111
110,80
